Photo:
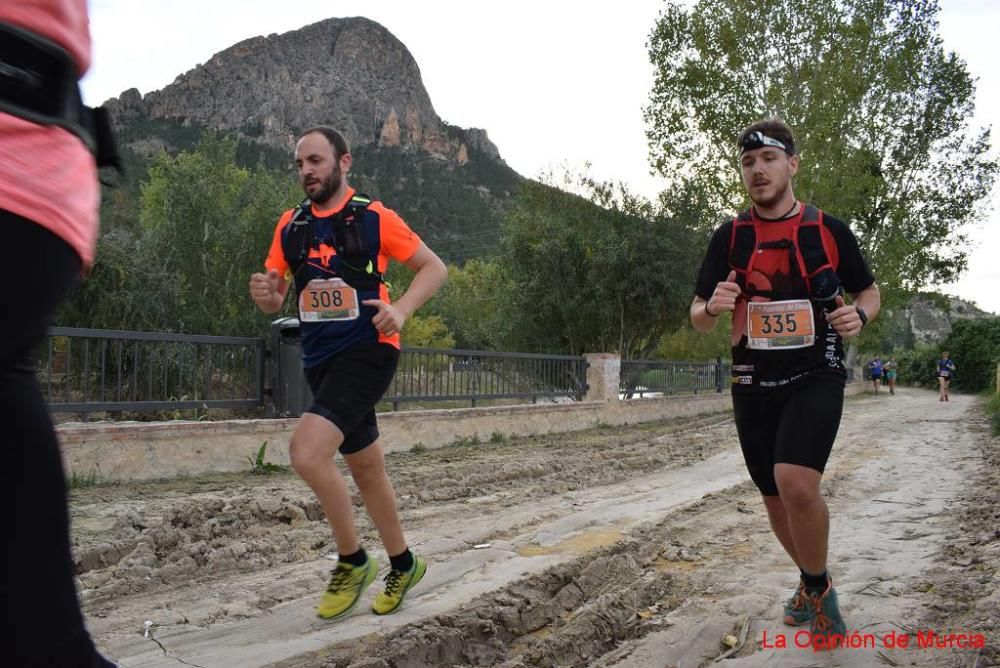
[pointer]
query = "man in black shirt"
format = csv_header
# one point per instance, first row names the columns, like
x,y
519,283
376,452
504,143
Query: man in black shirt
x,y
781,268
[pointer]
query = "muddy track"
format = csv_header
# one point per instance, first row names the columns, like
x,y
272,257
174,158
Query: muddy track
x,y
162,537
624,547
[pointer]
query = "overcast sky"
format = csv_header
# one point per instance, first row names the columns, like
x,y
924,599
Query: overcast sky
x,y
553,82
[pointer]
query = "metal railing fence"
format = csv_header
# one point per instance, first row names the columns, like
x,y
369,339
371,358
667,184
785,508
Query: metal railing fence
x,y
427,374
642,377
97,370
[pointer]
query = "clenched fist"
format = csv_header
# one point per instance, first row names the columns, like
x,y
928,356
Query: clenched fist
x,y
389,319
724,297
264,290
845,319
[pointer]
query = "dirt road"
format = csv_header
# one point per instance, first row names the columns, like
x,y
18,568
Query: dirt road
x,y
625,547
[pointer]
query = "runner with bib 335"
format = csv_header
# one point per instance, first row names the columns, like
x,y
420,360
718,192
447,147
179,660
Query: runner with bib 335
x,y
781,269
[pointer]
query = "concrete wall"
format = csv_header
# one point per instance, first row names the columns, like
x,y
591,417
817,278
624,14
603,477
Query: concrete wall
x,y
146,451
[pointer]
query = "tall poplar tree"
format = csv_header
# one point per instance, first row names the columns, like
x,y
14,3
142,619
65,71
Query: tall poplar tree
x,y
880,109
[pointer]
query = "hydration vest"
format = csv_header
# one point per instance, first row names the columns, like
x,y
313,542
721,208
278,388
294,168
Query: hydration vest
x,y
805,246
354,238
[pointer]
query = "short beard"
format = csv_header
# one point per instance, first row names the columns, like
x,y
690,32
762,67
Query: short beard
x,y
328,186
773,201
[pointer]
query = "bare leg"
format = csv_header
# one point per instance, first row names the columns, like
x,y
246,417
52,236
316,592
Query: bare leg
x,y
808,516
368,470
311,450
779,525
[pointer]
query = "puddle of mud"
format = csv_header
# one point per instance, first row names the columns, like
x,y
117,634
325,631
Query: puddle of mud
x,y
580,544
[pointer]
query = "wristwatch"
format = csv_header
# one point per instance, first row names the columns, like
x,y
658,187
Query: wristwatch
x,y
862,315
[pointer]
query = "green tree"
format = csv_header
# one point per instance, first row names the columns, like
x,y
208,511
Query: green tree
x,y
427,331
475,303
687,344
127,288
209,223
601,273
880,111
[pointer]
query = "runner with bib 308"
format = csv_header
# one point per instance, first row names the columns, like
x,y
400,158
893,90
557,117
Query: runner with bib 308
x,y
781,270
335,248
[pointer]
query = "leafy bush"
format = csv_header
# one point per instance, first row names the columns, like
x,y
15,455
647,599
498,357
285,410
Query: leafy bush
x,y
993,411
974,345
918,367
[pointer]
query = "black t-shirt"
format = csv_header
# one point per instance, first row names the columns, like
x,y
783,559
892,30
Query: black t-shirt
x,y
761,370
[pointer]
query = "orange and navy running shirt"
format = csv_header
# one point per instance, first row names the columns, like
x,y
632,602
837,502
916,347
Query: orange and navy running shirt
x,y
396,241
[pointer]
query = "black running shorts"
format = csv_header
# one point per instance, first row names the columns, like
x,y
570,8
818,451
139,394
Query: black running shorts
x,y
346,386
795,424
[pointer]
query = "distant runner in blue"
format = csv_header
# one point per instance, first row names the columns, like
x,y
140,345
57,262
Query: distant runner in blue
x,y
945,372
875,366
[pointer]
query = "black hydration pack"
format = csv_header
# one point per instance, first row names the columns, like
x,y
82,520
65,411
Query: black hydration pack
x,y
39,83
354,238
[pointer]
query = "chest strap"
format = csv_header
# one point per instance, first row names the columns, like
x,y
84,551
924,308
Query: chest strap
x,y
38,82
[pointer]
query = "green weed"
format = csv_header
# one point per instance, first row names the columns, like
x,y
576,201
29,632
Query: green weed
x,y
80,480
259,467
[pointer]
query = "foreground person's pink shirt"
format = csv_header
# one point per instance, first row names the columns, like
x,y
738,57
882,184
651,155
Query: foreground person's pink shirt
x,y
46,173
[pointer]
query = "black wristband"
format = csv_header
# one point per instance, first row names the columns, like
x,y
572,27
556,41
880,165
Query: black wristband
x,y
709,313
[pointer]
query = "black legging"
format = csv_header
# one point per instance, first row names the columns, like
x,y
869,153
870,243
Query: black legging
x,y
44,623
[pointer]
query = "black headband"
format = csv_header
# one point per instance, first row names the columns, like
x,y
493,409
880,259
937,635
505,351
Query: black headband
x,y
757,139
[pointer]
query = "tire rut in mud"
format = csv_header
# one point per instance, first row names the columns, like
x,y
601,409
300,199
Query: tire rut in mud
x,y
568,615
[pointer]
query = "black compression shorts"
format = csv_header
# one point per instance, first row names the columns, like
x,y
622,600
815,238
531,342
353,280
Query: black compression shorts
x,y
346,386
796,424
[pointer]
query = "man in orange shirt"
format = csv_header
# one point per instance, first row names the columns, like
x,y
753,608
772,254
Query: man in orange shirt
x,y
335,248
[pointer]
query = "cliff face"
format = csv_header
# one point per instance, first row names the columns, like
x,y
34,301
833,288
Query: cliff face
x,y
349,73
449,183
929,319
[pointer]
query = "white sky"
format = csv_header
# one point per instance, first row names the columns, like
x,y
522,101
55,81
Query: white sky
x,y
553,82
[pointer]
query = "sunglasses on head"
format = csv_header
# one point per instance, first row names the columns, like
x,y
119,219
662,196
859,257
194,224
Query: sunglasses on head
x,y
757,139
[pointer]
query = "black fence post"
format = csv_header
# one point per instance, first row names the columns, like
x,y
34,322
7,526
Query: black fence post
x,y
718,375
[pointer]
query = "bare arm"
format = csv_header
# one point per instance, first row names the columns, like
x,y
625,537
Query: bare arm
x,y
705,313
431,273
700,320
268,291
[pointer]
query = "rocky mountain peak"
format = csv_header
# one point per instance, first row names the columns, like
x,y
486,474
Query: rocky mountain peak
x,y
349,73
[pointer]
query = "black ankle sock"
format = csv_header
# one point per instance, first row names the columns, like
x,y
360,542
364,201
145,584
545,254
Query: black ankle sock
x,y
402,562
815,581
357,559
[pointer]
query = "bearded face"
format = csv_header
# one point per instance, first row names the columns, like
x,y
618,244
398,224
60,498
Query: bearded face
x,y
321,171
